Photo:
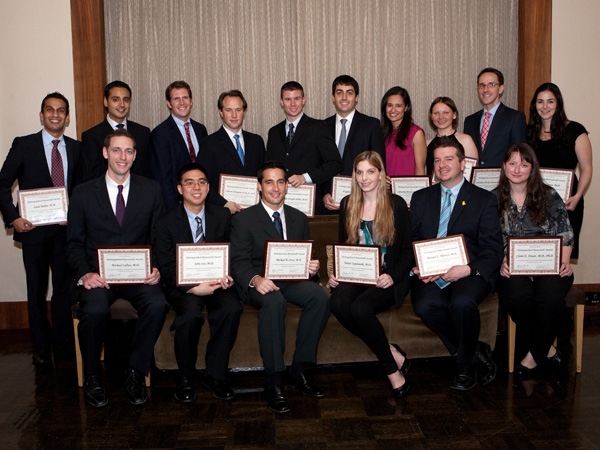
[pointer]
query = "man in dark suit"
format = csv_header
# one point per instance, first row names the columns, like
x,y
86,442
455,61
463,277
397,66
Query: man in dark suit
x,y
353,132
175,141
496,127
117,209
448,305
229,150
117,101
194,221
271,219
303,144
43,160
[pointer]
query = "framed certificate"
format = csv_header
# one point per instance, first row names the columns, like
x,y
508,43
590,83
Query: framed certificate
x,y
534,256
436,256
198,263
340,187
406,186
357,264
44,206
287,260
240,189
302,198
486,177
470,163
560,179
124,264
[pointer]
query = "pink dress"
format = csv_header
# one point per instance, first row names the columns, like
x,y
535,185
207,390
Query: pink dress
x,y
400,162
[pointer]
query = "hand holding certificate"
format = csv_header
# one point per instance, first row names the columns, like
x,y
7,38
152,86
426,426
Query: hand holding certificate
x,y
287,260
534,256
124,264
357,264
200,263
436,256
44,206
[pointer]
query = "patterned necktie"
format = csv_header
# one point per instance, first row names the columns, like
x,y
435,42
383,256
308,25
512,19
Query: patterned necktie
x,y
58,172
342,142
120,209
199,231
443,229
485,129
238,147
278,224
189,141
291,134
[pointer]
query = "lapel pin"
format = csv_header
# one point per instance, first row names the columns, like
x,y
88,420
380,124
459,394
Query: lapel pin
x,y
464,203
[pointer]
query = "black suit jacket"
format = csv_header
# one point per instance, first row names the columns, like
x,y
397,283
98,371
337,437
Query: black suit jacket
x,y
92,222
219,156
508,127
174,228
249,230
93,163
169,153
475,215
26,163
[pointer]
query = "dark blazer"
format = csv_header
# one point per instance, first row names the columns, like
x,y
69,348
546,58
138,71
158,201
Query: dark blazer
x,y
475,215
174,228
92,222
365,134
219,155
399,255
169,153
249,230
26,163
93,163
508,127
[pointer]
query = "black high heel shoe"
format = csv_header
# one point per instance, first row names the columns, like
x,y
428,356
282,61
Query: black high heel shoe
x,y
405,365
402,390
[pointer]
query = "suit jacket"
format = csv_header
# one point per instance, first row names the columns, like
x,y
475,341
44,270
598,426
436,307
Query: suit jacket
x,y
508,127
249,230
219,155
399,255
169,153
92,222
365,134
475,215
93,163
174,228
26,163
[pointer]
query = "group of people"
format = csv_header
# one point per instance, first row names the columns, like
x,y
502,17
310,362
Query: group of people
x,y
132,186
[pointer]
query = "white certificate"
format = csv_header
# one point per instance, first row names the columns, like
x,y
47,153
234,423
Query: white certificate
x,y
560,179
199,263
341,187
44,206
357,264
486,177
124,265
470,163
534,256
436,256
406,186
240,189
287,260
302,198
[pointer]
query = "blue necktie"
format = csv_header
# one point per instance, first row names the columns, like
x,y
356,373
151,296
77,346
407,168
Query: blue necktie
x,y
120,126
278,224
443,228
238,147
342,142
199,238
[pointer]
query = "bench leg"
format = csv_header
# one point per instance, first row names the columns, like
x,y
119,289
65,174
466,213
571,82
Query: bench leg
x,y
78,358
579,314
512,333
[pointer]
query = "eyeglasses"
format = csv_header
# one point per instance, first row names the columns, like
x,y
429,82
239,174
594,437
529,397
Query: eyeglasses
x,y
193,183
482,86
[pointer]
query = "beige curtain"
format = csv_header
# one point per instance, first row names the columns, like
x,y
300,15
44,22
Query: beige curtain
x,y
430,47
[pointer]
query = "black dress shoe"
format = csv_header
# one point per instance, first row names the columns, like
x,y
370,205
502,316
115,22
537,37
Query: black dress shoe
x,y
486,367
406,364
557,360
218,388
306,386
184,390
402,390
42,358
135,387
277,401
465,378
94,393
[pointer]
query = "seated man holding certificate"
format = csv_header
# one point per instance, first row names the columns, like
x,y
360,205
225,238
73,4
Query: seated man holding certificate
x,y
117,209
449,304
371,215
528,207
194,221
272,220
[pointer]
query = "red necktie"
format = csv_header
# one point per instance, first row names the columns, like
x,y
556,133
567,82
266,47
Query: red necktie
x,y
190,144
120,206
58,172
485,129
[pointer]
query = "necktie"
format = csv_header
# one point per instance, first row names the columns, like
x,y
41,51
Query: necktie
x,y
278,224
485,129
291,134
58,172
443,229
238,147
120,126
120,209
342,142
199,231
189,141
